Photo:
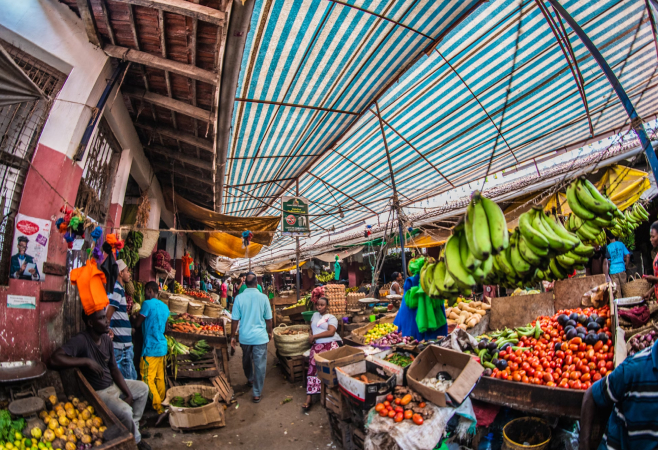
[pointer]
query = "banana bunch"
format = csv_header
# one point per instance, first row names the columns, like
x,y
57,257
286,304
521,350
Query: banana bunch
x,y
592,211
633,216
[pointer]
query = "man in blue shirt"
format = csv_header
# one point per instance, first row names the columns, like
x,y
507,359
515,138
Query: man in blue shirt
x,y
618,257
631,390
153,320
252,313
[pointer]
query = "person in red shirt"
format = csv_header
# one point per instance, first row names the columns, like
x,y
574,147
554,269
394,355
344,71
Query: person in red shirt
x,y
653,279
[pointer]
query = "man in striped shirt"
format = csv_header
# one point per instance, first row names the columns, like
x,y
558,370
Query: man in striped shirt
x,y
117,314
631,390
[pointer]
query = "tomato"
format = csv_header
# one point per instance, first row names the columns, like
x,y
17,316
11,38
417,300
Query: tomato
x,y
383,413
598,346
596,377
379,407
525,365
564,384
580,355
548,377
389,397
505,375
575,375
577,384
603,371
408,413
538,381
609,365
389,408
422,404
391,414
604,348
387,403
418,419
399,409
568,360
516,376
551,383
525,379
587,385
399,417
586,377
576,341
600,364
397,401
559,354
592,366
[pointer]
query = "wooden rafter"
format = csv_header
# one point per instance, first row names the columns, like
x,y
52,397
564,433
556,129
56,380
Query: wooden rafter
x,y
163,167
183,8
166,102
157,62
206,194
163,49
87,16
177,135
172,154
108,25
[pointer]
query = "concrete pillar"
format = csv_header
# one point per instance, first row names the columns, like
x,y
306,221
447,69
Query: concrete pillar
x,y
119,189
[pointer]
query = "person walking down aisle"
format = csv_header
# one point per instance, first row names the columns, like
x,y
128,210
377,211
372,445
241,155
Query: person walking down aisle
x,y
91,351
153,320
121,329
323,338
618,257
253,315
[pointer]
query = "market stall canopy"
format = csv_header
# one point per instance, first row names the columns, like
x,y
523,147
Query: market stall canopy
x,y
15,85
219,265
342,254
491,92
429,239
380,240
287,267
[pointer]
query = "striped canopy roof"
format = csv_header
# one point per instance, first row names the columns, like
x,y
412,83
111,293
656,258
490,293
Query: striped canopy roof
x,y
497,91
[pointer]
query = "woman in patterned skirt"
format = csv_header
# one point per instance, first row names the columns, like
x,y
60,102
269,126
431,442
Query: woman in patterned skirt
x,y
323,337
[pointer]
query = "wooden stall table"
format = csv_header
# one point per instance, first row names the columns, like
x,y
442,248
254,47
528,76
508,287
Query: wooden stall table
x,y
280,301
220,343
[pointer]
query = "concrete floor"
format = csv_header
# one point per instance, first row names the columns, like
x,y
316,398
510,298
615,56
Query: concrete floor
x,y
267,425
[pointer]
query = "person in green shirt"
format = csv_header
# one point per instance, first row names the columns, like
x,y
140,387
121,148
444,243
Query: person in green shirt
x,y
244,286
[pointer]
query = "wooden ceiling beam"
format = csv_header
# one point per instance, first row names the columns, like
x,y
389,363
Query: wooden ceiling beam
x,y
158,62
87,16
206,194
108,25
163,167
172,154
163,48
183,8
178,135
166,102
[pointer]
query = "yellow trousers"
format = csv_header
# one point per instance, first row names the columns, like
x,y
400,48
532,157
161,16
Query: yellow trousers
x,y
152,368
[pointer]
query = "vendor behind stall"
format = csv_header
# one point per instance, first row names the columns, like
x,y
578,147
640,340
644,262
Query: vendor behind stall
x,y
323,337
153,320
92,352
396,287
420,316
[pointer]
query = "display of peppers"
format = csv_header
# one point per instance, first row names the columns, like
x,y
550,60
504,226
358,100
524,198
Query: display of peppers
x,y
569,350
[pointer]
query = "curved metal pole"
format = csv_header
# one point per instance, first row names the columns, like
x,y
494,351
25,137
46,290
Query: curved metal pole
x,y
636,121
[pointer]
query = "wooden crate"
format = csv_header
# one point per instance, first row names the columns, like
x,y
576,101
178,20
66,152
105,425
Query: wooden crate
x,y
341,431
83,390
358,438
334,401
292,367
209,363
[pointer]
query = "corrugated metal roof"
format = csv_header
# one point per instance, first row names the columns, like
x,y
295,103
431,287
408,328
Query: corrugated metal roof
x,y
328,55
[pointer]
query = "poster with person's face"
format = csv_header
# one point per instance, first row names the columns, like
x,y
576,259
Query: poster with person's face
x,y
30,248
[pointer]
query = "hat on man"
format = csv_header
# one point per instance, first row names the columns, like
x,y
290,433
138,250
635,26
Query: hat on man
x,y
122,265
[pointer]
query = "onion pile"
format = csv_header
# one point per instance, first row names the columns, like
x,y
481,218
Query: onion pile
x,y
392,339
639,343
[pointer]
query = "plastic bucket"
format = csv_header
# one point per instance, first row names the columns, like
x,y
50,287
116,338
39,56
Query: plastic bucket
x,y
526,433
308,315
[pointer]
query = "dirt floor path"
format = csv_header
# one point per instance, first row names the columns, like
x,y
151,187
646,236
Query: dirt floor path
x,y
270,424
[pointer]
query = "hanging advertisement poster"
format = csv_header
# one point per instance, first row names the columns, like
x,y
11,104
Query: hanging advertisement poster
x,y
30,248
295,216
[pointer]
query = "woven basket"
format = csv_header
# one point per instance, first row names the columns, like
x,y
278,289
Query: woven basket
x,y
178,304
628,334
637,287
195,308
149,242
294,345
212,310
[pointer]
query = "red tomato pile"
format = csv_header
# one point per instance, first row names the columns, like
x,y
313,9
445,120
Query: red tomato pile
x,y
394,408
555,361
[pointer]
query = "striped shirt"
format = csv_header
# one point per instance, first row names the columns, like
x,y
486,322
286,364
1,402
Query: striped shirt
x,y
120,323
632,388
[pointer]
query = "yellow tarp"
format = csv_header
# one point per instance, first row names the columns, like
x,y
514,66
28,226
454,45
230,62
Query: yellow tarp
x,y
228,241
288,268
624,185
428,240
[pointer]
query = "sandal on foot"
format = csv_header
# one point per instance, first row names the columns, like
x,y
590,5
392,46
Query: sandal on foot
x,y
256,399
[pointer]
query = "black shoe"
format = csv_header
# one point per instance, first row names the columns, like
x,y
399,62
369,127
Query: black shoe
x,y
143,445
145,434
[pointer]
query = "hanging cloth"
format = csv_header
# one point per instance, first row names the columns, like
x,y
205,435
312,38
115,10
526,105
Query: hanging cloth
x,y
90,282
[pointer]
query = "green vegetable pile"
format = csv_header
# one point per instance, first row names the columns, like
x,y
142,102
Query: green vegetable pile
x,y
196,401
199,349
399,359
9,427
178,401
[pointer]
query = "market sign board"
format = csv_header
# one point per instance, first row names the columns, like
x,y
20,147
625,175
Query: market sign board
x,y
295,216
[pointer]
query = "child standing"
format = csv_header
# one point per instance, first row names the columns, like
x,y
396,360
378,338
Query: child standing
x,y
153,320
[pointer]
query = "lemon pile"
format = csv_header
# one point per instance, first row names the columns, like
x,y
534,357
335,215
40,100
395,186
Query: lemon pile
x,y
69,423
378,331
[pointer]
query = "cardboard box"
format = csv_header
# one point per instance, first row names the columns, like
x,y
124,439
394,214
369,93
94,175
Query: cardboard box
x,y
209,416
365,395
463,369
358,334
400,372
327,362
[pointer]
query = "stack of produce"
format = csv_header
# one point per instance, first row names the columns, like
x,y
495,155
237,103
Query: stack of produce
x,y
161,260
336,295
641,341
129,254
380,333
196,293
404,404
196,400
178,288
570,350
467,314
399,359
183,325
353,298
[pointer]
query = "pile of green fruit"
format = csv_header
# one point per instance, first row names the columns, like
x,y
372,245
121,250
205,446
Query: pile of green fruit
x,y
129,253
195,401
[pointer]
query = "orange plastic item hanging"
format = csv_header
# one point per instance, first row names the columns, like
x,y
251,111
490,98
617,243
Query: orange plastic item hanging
x,y
90,282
